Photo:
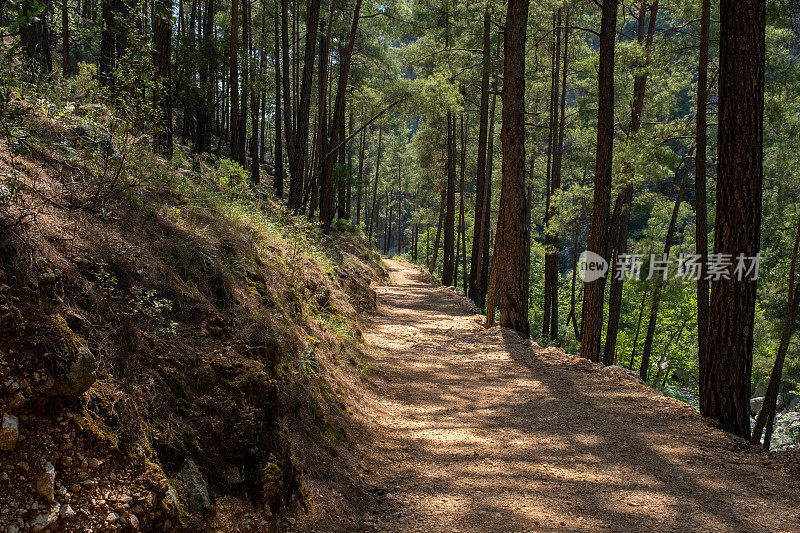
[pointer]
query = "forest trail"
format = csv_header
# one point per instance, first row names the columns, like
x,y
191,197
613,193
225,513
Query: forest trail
x,y
478,430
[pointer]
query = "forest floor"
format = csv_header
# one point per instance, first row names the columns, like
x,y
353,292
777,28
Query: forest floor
x,y
468,429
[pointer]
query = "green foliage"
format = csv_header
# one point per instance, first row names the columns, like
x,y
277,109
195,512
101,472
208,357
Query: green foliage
x,y
230,174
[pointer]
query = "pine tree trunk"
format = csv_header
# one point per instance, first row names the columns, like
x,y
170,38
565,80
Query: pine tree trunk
x,y
448,261
442,202
277,181
297,152
725,390
399,206
374,211
701,210
65,60
162,92
321,144
360,185
233,58
551,141
592,314
461,222
511,260
475,291
622,209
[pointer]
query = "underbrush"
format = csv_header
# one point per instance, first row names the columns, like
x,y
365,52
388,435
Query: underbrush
x,y
217,320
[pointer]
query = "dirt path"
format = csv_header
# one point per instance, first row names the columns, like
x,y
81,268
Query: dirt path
x,y
480,431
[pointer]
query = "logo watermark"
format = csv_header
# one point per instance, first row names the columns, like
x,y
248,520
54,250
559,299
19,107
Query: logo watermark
x,y
592,267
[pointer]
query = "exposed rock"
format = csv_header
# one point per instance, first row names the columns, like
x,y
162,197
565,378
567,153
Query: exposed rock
x,y
98,137
51,287
75,320
46,482
755,404
66,512
134,521
793,404
195,485
620,372
78,378
9,432
787,430
112,517
46,520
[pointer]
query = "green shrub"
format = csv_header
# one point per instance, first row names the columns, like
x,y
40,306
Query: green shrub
x,y
230,174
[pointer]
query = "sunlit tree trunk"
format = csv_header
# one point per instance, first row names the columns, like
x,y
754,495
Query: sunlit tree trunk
x,y
725,389
592,315
511,260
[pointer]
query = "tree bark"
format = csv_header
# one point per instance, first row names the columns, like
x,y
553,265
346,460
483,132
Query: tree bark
x,y
374,212
65,60
622,210
511,261
442,202
297,151
701,211
475,291
725,390
551,141
162,91
277,180
450,212
233,57
592,314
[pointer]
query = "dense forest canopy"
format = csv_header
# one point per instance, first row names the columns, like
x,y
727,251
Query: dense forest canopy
x,y
492,143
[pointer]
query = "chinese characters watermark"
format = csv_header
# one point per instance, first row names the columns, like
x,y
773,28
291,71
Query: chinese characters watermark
x,y
685,267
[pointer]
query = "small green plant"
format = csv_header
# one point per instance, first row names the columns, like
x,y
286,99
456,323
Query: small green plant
x,y
308,365
147,304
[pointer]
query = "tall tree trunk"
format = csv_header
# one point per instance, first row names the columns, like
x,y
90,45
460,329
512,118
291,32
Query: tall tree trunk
x,y
106,64
399,206
725,390
558,152
511,261
233,57
622,208
65,61
374,212
321,146
450,212
349,185
337,124
461,222
701,211
360,185
297,153
592,314
244,100
277,181
442,202
475,291
551,141
162,92
766,415
486,227
288,106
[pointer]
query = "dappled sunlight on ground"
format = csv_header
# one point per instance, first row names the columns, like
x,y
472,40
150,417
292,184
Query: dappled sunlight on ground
x,y
482,431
